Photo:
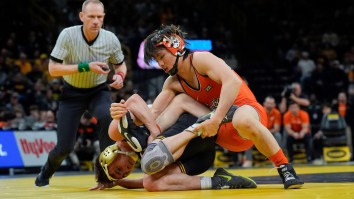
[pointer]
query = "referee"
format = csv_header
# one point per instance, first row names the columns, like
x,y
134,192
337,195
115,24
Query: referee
x,y
81,55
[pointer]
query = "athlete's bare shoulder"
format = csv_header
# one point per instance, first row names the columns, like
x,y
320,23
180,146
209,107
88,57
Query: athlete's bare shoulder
x,y
202,61
202,55
172,83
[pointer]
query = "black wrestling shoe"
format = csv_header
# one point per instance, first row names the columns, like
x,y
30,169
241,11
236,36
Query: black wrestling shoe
x,y
135,136
289,177
44,176
41,181
228,118
225,180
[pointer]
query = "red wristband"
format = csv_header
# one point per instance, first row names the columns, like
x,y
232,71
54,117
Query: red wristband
x,y
158,126
121,74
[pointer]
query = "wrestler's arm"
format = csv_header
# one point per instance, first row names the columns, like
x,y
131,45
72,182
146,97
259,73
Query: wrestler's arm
x,y
216,69
113,131
125,183
168,93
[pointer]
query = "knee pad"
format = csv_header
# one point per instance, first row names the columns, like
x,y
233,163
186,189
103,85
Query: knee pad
x,y
156,158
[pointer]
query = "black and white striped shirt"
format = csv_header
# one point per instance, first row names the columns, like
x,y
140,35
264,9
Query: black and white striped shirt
x,y
72,48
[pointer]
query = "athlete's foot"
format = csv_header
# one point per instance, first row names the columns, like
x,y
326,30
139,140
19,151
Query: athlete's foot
x,y
41,181
225,180
289,177
43,177
136,136
228,118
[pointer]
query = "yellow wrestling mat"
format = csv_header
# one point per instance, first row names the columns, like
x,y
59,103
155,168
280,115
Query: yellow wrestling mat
x,y
320,182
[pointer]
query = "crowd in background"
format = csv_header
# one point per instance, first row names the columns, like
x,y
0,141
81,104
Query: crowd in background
x,y
315,48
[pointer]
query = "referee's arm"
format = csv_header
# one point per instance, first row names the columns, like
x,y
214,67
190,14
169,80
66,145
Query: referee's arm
x,y
56,67
119,76
121,69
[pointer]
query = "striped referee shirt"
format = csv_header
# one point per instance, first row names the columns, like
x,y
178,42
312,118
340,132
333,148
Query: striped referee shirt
x,y
73,48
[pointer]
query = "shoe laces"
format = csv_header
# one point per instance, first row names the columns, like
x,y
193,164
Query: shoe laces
x,y
288,176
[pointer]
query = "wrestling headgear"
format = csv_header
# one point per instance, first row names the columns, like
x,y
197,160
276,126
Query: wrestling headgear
x,y
174,44
109,154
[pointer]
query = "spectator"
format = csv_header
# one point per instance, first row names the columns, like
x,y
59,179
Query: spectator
x,y
24,64
318,137
33,116
50,122
297,125
21,85
330,38
293,93
14,103
8,119
35,74
341,105
87,145
336,80
305,66
349,55
39,125
318,78
274,118
87,142
19,123
329,53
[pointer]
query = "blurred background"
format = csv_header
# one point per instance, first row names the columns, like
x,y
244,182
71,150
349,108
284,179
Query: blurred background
x,y
271,44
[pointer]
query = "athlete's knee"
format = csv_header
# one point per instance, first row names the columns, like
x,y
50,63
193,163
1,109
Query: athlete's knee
x,y
156,158
246,125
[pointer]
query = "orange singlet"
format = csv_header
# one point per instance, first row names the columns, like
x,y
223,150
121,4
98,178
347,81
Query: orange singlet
x,y
208,93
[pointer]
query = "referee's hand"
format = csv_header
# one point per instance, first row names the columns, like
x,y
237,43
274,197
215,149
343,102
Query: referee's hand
x,y
99,67
117,82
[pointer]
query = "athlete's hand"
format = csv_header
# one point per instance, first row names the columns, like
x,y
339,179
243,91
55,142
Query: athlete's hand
x,y
118,110
101,186
99,67
117,82
208,128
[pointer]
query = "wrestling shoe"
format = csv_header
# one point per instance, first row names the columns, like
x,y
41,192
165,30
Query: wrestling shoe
x,y
135,136
289,177
225,180
41,181
43,177
228,118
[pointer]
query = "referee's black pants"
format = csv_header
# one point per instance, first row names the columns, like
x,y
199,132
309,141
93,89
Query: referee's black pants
x,y
73,103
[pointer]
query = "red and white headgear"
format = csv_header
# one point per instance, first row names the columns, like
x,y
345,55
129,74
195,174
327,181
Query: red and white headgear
x,y
173,43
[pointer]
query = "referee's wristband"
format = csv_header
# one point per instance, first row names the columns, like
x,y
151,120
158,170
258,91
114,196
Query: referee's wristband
x,y
83,67
121,74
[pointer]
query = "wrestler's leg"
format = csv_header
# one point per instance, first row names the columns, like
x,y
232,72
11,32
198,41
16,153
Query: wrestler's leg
x,y
180,104
246,122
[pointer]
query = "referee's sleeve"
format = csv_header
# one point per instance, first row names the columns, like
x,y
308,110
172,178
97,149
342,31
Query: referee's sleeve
x,y
61,48
117,55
